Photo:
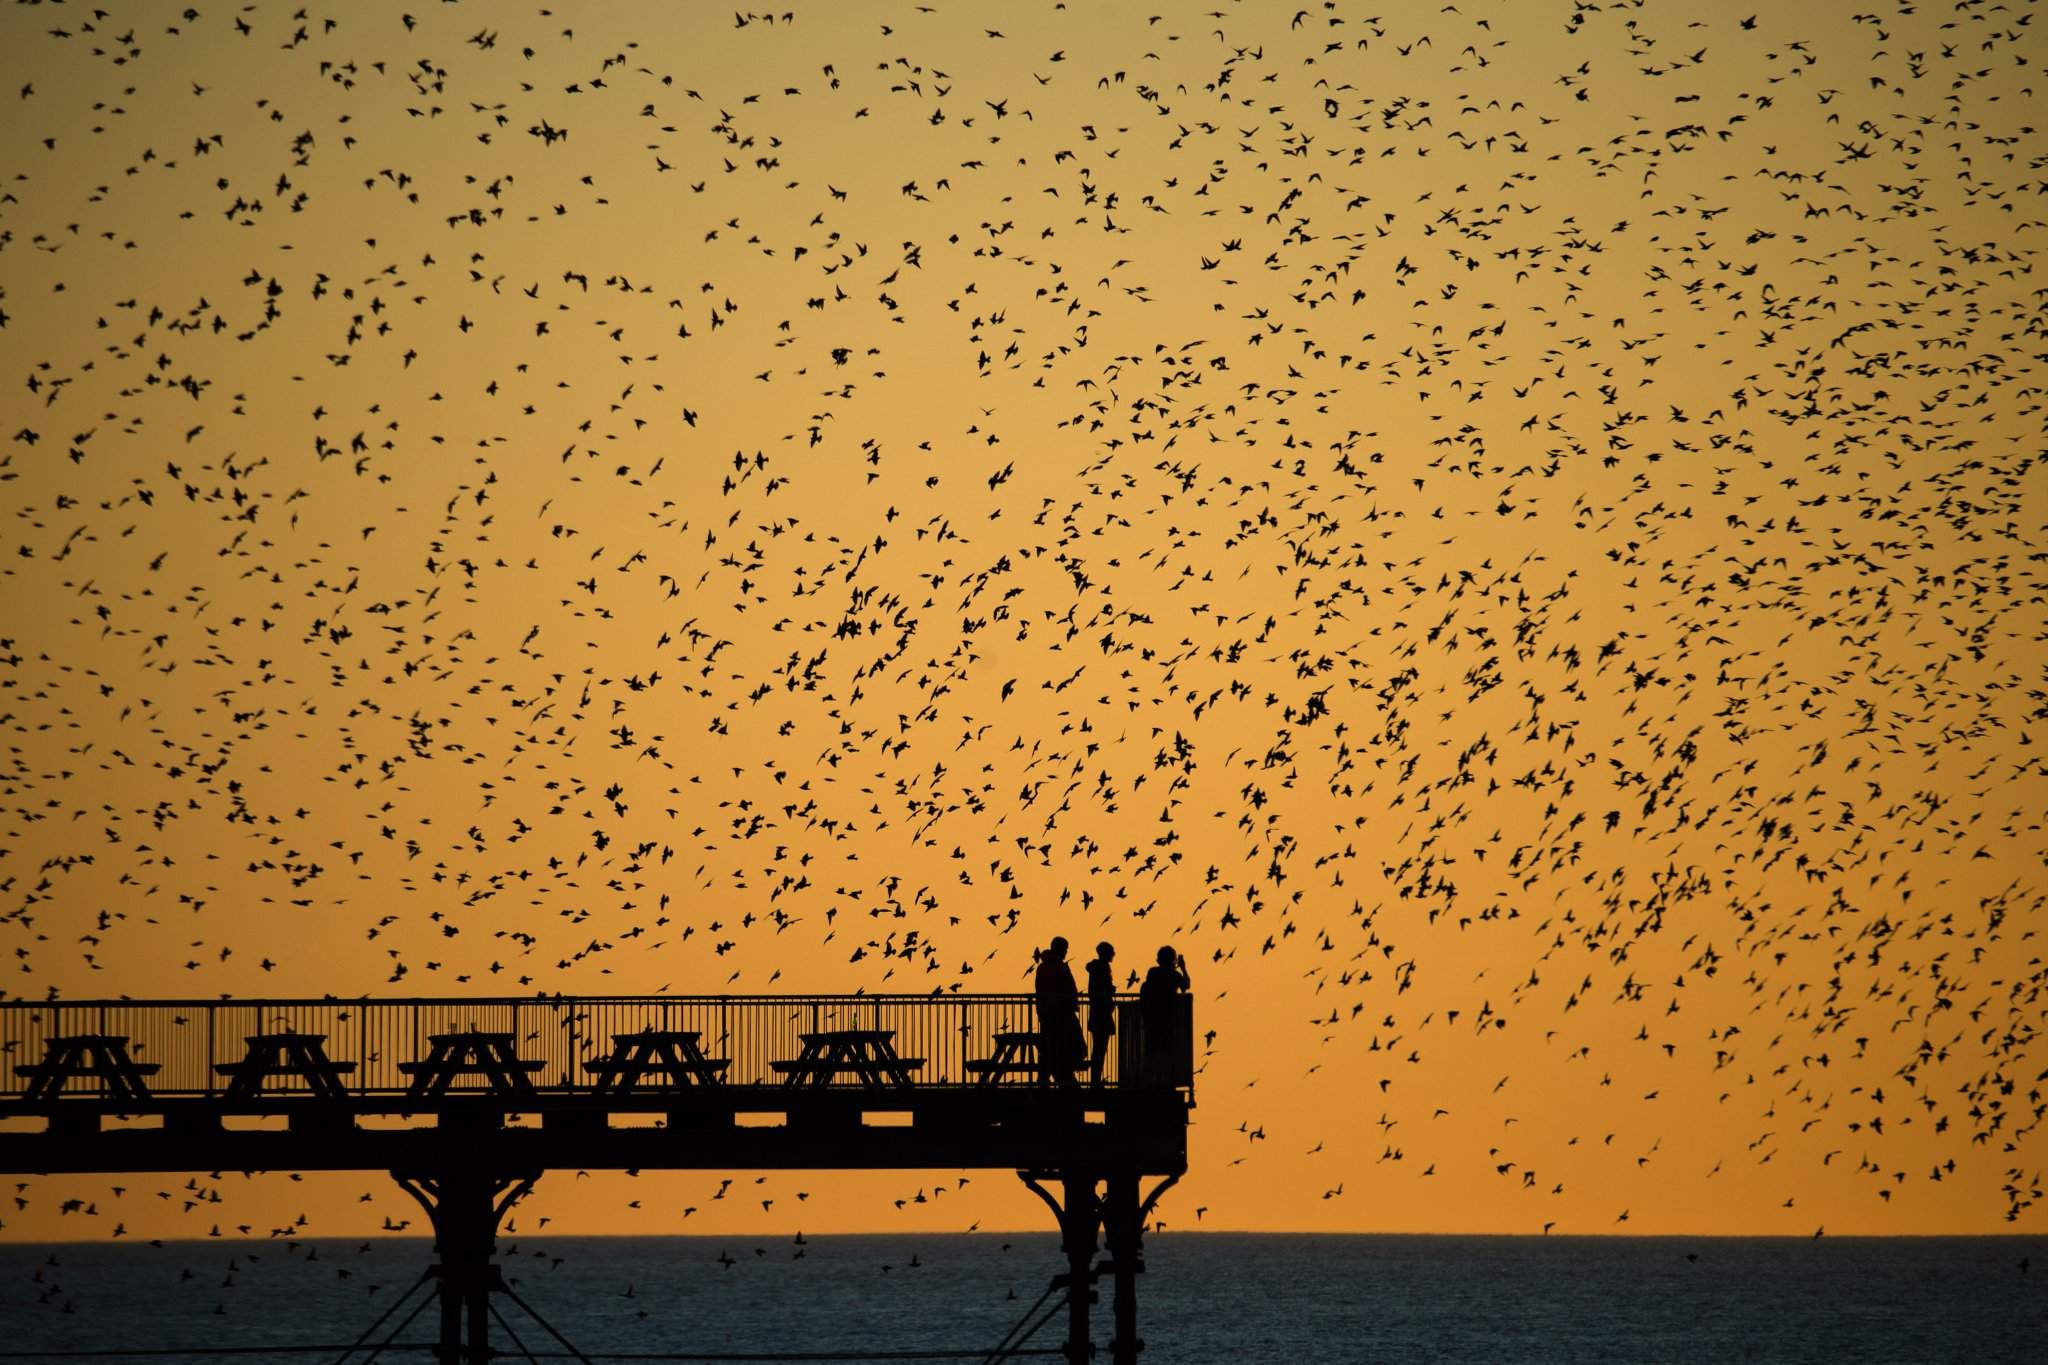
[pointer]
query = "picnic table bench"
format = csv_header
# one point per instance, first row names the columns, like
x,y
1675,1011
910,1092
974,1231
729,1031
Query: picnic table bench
x,y
282,1056
868,1055
669,1054
452,1056
101,1055
1016,1055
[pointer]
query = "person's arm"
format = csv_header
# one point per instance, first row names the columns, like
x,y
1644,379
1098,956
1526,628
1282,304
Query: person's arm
x,y
1180,965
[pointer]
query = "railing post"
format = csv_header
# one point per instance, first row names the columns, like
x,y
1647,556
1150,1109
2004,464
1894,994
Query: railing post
x,y
212,1026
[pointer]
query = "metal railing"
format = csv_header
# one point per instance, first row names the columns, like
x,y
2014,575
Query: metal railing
x,y
186,1040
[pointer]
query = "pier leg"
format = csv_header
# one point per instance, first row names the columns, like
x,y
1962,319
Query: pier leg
x,y
1078,1222
1121,1229
465,1207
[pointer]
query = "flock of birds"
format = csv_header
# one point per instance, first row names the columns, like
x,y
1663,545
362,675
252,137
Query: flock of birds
x,y
1504,531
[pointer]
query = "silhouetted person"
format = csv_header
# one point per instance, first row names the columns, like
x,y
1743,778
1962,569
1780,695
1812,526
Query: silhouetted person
x,y
1060,1048
1159,1015
1101,1009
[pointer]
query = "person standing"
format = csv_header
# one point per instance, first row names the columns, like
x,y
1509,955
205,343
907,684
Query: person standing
x,y
1060,1048
1160,1015
1101,1010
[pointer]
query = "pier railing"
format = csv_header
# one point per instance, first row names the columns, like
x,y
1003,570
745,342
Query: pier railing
x,y
186,1041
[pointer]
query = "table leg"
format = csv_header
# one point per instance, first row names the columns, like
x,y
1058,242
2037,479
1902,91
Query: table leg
x,y
504,1077
311,1060
95,1060
518,1080
58,1067
431,1080
648,1055
243,1083
700,1065
330,1080
117,1077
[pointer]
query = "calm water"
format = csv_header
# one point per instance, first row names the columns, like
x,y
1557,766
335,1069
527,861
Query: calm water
x,y
1214,1298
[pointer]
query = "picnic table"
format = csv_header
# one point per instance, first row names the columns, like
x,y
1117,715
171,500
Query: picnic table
x,y
452,1056
1016,1055
102,1055
281,1056
868,1055
670,1055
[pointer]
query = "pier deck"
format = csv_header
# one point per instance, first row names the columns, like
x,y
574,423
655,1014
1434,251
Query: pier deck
x,y
647,1083
466,1102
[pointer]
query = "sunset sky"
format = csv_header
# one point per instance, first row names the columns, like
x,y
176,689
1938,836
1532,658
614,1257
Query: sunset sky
x,y
1511,534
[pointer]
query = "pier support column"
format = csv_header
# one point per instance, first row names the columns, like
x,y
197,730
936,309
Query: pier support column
x,y
1120,1227
1078,1217
465,1207
1078,1223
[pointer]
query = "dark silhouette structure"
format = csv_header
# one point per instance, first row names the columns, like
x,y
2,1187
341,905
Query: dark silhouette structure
x,y
1164,1015
1101,1009
474,1099
1060,1048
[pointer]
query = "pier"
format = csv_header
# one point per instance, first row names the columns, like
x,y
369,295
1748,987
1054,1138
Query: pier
x,y
468,1102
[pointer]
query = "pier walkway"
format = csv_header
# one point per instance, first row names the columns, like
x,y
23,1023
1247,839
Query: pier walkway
x,y
466,1102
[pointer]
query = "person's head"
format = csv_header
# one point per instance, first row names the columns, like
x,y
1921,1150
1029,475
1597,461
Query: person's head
x,y
1057,949
1105,951
1167,956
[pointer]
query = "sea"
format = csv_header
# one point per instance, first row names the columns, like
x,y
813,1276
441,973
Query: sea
x,y
1203,1299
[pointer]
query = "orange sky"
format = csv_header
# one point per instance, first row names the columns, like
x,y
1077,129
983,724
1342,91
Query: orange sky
x,y
1510,533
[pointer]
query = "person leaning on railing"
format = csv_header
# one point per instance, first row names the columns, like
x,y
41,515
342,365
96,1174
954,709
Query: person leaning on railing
x,y
1160,1015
